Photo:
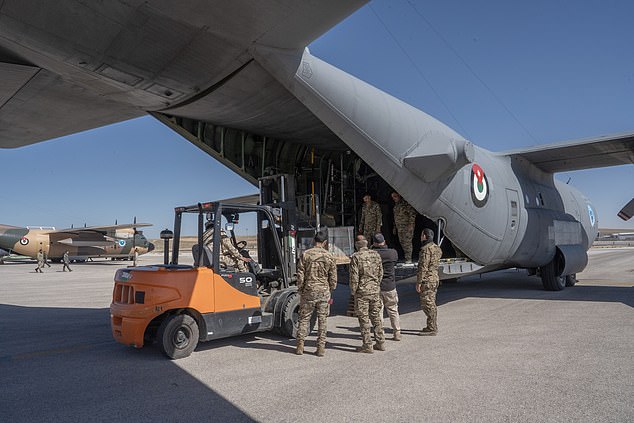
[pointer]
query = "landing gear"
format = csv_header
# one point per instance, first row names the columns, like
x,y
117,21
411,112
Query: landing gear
x,y
552,279
571,280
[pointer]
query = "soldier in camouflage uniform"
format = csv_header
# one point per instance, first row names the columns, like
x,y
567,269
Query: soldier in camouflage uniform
x,y
230,257
40,262
404,221
66,262
371,217
366,272
316,279
427,280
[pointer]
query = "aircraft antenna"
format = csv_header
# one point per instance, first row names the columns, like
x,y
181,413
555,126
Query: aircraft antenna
x,y
420,72
470,69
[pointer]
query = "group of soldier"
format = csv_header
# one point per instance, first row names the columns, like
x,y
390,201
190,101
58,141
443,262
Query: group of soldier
x,y
404,221
42,261
372,279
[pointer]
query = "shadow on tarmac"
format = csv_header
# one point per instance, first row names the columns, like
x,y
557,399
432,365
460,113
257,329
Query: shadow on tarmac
x,y
61,364
505,284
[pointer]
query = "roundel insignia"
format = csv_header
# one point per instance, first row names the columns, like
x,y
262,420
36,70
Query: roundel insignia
x,y
121,243
24,240
479,186
593,219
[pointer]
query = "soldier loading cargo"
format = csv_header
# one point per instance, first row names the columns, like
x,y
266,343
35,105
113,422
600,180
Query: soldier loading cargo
x,y
389,296
404,221
427,280
366,272
316,279
371,217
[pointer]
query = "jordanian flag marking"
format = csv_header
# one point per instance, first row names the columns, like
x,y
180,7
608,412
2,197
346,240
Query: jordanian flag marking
x,y
479,186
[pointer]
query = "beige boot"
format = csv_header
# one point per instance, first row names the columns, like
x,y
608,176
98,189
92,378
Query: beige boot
x,y
299,350
397,335
379,346
365,349
321,351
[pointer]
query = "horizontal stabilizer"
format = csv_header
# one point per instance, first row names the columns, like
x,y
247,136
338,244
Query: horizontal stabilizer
x,y
628,211
583,154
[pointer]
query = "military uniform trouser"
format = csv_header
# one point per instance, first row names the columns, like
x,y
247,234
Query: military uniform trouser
x,y
66,266
405,235
389,299
368,310
306,308
428,303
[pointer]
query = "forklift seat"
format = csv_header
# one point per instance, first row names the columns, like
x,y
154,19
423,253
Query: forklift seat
x,y
207,256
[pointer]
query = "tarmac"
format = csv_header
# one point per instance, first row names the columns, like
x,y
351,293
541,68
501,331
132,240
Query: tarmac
x,y
507,351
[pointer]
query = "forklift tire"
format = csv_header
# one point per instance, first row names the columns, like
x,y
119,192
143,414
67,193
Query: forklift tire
x,y
178,336
290,317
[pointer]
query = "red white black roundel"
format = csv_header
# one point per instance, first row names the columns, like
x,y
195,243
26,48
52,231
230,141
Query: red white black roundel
x,y
479,186
24,240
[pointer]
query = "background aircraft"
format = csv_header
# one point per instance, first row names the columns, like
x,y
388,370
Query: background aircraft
x,y
234,79
116,241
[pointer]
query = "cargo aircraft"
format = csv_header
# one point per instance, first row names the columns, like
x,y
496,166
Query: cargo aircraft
x,y
235,78
115,241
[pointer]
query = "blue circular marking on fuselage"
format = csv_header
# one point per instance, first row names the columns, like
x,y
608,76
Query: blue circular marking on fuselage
x,y
121,243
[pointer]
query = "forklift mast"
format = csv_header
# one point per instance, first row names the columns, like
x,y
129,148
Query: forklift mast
x,y
278,192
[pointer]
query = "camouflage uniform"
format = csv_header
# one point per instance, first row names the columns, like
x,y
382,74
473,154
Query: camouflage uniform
x,y
427,278
371,219
404,220
366,272
40,262
66,262
230,257
316,279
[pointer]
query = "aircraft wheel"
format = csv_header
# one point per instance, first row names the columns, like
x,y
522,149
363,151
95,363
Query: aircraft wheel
x,y
290,317
571,280
551,279
178,336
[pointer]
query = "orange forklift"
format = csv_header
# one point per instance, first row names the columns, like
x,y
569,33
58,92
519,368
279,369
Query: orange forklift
x,y
177,305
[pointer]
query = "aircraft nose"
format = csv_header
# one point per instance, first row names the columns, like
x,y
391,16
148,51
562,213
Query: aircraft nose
x,y
150,247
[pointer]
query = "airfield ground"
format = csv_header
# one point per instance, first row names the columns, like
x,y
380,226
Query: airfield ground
x,y
507,351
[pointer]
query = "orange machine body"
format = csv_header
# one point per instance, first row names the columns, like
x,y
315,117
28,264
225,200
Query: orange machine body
x,y
143,294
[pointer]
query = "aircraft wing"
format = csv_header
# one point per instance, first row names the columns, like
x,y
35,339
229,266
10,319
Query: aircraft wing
x,y
583,154
70,66
99,229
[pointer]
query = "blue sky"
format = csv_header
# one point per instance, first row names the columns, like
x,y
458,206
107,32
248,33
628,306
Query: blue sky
x,y
503,74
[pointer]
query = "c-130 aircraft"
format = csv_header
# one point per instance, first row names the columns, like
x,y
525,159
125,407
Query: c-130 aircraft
x,y
235,79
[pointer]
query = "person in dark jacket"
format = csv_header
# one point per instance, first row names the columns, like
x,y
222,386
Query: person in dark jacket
x,y
389,296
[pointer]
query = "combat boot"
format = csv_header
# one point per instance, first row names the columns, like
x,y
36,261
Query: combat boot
x,y
299,350
379,346
397,335
365,349
428,332
321,351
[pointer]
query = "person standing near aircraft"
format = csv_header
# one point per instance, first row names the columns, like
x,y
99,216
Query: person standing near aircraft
x,y
371,217
316,279
427,280
66,262
404,221
366,272
40,262
389,296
